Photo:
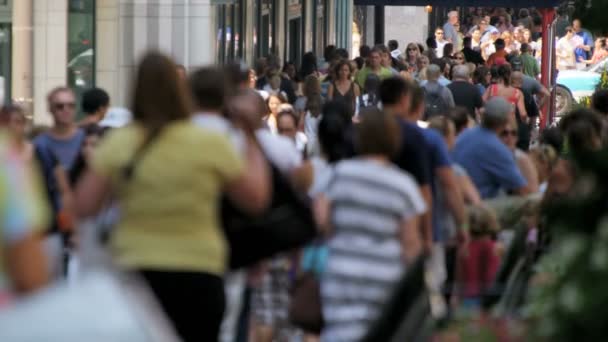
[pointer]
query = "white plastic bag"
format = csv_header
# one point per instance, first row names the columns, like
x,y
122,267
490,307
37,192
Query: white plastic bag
x,y
99,304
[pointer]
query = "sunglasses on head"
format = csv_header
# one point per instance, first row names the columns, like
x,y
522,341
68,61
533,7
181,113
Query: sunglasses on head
x,y
508,132
63,105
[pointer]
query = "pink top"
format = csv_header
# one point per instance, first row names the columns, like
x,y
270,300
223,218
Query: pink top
x,y
477,267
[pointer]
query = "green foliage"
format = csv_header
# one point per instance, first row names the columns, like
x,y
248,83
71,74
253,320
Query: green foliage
x,y
573,304
594,18
585,101
603,80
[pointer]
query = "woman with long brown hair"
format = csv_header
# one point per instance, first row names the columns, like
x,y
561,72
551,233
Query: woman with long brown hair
x,y
344,89
167,174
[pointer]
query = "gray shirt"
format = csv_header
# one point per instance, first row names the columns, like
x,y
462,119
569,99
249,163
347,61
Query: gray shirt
x,y
531,85
446,94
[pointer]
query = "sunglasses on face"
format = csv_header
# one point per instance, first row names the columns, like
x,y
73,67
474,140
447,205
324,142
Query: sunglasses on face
x,y
508,132
64,105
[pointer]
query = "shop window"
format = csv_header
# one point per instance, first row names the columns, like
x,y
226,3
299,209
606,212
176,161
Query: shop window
x,y
294,31
5,63
81,45
230,32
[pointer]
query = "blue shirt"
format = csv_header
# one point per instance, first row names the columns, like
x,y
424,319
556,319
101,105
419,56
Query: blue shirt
x,y
449,33
488,162
413,156
65,150
587,41
438,158
50,152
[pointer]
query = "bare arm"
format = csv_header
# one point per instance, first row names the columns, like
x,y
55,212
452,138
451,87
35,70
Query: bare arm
x,y
529,172
521,106
486,95
453,194
252,190
303,177
90,194
27,264
426,221
543,95
67,199
471,195
411,244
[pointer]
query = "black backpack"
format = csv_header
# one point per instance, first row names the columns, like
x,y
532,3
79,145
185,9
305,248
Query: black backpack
x,y
435,104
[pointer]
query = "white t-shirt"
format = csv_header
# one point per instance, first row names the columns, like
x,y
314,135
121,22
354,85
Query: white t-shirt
x,y
280,150
311,127
217,123
439,49
565,53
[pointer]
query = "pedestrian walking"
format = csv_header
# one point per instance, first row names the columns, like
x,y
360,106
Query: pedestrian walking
x,y
344,89
181,257
374,213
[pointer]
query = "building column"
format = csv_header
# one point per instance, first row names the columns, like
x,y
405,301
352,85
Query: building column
x,y
22,54
249,53
107,48
200,46
50,53
126,29
344,23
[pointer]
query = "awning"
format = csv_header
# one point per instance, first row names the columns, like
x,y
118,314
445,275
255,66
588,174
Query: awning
x,y
462,3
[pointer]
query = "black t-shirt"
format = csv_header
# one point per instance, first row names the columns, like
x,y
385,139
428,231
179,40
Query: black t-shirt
x,y
466,95
412,156
473,56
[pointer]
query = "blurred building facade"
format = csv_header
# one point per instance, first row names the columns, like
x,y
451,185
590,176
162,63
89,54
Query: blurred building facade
x,y
86,43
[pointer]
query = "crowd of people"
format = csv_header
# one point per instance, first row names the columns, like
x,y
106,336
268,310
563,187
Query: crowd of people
x,y
397,155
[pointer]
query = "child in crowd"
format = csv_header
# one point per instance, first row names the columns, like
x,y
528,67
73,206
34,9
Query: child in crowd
x,y
478,262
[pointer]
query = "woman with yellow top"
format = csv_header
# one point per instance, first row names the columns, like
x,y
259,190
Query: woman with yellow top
x,y
170,227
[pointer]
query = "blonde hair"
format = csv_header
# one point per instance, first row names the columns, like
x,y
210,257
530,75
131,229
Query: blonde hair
x,y
482,220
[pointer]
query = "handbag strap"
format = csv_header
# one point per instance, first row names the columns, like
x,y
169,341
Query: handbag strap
x,y
128,170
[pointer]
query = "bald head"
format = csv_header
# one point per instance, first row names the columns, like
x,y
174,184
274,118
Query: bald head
x,y
497,113
433,72
461,73
517,79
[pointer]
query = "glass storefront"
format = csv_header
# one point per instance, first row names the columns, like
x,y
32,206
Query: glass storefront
x,y
230,31
6,56
5,63
81,45
293,28
266,27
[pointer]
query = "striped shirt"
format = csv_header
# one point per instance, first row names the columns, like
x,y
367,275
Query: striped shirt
x,y
369,202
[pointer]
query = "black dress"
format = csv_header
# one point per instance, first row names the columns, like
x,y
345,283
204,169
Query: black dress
x,y
348,99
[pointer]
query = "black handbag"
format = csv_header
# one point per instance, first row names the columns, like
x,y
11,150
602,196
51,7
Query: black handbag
x,y
305,304
288,223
